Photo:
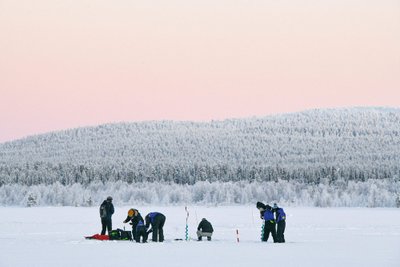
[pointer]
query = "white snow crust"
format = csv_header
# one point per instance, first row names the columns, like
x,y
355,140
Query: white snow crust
x,y
54,236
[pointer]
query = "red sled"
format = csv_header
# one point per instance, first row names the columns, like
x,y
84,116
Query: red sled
x,y
98,237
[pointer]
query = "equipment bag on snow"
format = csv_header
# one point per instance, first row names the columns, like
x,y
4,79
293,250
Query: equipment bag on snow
x,y
120,234
126,235
114,235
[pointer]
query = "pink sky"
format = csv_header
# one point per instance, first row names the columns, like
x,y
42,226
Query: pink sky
x,y
65,64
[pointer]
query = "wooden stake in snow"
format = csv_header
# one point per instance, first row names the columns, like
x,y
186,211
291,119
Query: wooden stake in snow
x,y
237,235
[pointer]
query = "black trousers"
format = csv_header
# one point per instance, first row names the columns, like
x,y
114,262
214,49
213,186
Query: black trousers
x,y
134,232
157,227
141,233
106,223
269,227
280,231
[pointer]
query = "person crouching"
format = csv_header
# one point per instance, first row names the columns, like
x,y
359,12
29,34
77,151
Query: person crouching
x,y
204,229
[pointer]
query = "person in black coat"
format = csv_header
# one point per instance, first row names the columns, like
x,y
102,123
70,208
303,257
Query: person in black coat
x,y
106,211
204,229
138,227
157,221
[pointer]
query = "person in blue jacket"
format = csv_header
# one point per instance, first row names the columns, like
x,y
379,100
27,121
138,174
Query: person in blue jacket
x,y
141,232
280,217
157,221
267,214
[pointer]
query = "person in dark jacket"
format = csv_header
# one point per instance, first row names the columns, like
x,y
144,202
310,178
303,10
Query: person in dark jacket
x,y
141,232
157,221
138,227
106,211
204,229
267,215
261,207
280,217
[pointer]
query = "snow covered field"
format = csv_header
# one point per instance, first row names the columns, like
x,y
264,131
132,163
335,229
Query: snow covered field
x,y
53,236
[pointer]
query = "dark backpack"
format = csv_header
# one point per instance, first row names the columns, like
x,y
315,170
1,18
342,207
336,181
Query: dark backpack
x,y
115,235
103,211
125,235
120,234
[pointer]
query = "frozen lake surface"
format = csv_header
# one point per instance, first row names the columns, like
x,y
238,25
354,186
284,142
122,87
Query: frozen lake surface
x,y
54,236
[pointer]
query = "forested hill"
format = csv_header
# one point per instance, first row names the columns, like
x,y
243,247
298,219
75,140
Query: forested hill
x,y
353,144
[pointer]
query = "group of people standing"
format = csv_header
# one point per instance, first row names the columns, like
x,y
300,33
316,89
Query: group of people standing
x,y
274,222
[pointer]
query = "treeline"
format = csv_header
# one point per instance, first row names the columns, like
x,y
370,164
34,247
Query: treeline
x,y
371,193
69,174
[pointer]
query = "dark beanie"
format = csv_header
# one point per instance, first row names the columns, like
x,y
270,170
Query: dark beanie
x,y
260,205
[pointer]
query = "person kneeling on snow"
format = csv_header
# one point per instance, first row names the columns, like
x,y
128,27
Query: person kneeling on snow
x,y
204,229
137,222
157,221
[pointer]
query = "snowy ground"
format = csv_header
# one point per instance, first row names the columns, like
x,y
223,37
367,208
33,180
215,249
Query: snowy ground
x,y
53,236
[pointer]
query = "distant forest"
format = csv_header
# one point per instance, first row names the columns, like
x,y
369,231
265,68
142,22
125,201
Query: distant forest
x,y
67,174
333,146
353,144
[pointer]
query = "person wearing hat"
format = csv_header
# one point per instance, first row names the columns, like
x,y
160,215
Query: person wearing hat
x,y
138,227
280,217
267,215
106,211
204,229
